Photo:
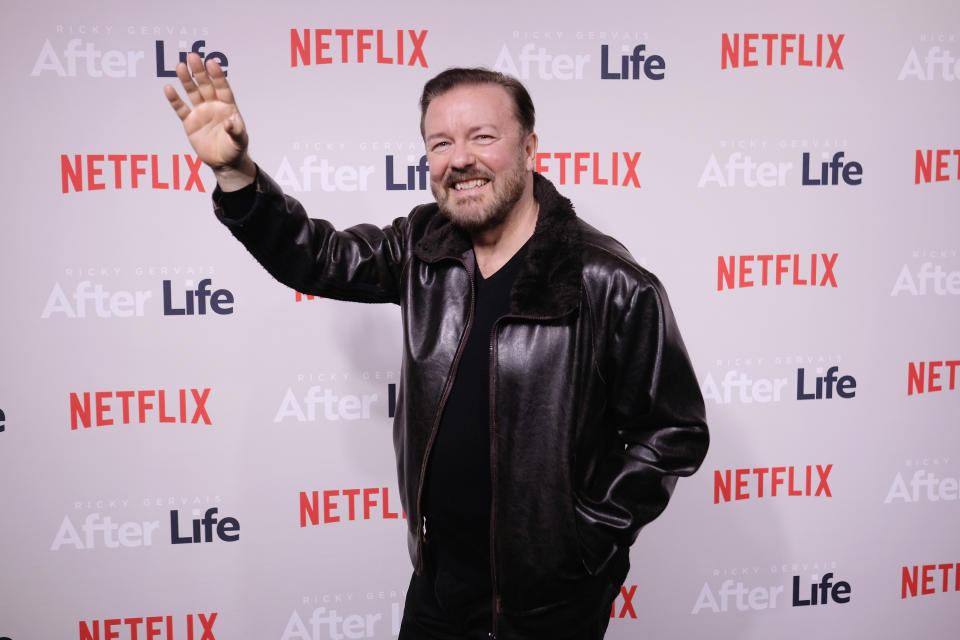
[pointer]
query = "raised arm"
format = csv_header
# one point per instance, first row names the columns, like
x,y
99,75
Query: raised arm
x,y
214,125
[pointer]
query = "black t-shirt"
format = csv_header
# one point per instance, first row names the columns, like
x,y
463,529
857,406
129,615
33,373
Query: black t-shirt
x,y
457,488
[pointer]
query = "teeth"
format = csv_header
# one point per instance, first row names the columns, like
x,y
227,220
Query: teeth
x,y
469,184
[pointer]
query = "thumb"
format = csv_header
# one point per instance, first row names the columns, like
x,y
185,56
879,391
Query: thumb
x,y
235,128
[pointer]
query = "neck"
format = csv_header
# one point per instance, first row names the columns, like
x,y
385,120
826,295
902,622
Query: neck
x,y
494,247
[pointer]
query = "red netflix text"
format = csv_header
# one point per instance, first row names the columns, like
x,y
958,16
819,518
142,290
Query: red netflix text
x,y
326,46
934,164
776,269
120,171
617,169
105,408
346,504
148,628
927,376
924,580
769,49
742,484
622,605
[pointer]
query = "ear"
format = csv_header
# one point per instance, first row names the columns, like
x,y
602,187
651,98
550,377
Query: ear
x,y
530,151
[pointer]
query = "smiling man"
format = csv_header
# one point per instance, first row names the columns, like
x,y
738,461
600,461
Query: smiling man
x,y
547,403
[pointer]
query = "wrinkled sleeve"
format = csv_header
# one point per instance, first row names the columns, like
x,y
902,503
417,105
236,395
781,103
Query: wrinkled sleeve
x,y
362,263
656,414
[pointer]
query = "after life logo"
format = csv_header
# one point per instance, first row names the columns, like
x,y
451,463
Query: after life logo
x,y
347,615
99,530
924,480
313,173
331,403
361,46
741,168
933,59
3,421
196,47
86,57
741,596
325,622
781,49
739,386
628,59
89,300
636,65
192,626
932,272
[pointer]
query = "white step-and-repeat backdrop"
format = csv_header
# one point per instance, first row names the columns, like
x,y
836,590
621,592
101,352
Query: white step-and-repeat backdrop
x,y
189,450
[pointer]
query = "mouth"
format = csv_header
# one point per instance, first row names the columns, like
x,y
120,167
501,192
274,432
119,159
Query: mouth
x,y
469,185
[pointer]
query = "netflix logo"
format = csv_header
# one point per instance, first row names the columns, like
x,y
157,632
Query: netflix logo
x,y
771,482
346,505
116,171
780,269
932,376
361,46
928,579
143,406
936,165
781,49
191,626
616,169
622,605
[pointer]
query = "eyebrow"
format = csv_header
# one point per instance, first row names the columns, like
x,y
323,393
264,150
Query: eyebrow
x,y
471,130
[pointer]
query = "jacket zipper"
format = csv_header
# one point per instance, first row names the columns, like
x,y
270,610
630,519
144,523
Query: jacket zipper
x,y
496,601
421,536
494,594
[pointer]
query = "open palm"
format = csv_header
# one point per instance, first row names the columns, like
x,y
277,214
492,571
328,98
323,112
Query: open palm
x,y
213,126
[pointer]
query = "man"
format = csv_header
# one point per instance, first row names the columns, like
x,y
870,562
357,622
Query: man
x,y
547,403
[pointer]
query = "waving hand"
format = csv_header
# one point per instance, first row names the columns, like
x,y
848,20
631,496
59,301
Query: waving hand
x,y
213,126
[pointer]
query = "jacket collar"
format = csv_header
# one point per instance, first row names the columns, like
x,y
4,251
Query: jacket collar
x,y
549,281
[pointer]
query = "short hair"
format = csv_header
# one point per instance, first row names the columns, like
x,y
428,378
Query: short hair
x,y
458,76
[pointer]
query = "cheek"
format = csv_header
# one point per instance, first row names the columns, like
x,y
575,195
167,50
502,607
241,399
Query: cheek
x,y
437,168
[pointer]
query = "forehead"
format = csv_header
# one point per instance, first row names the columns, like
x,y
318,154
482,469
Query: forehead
x,y
467,106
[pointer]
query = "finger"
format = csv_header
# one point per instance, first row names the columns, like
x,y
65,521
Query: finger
x,y
179,106
193,92
219,81
200,76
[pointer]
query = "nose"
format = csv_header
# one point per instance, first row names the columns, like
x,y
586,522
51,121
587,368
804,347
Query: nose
x,y
462,157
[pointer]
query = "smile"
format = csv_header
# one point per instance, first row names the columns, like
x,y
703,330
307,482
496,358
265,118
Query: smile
x,y
470,184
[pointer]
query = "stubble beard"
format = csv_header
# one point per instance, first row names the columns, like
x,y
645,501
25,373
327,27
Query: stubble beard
x,y
505,198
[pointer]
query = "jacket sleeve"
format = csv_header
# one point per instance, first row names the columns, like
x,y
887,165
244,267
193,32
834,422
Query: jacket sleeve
x,y
363,263
655,419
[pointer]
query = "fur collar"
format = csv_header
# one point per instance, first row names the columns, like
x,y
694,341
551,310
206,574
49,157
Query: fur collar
x,y
549,281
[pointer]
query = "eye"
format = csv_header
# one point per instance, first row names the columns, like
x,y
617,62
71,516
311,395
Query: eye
x,y
440,146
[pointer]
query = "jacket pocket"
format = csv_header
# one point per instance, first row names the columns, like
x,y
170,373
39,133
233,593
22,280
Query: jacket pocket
x,y
596,548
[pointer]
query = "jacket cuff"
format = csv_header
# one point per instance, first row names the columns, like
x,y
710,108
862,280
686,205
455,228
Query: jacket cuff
x,y
235,208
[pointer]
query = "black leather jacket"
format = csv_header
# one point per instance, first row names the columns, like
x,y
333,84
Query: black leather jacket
x,y
595,408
